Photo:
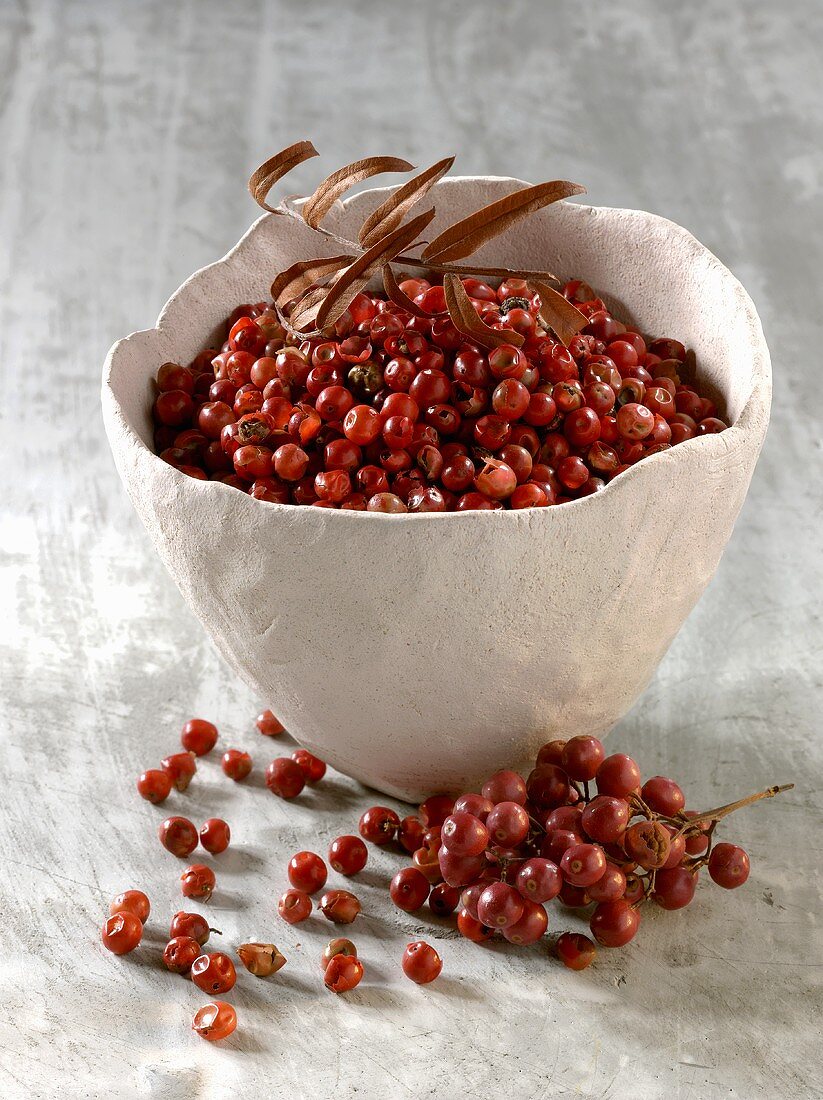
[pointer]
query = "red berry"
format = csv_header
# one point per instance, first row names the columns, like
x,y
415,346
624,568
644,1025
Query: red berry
x,y
728,865
466,835
421,963
348,855
179,954
674,887
294,906
214,1021
154,785
614,923
132,901
215,835
410,834
285,778
581,757
618,776
474,804
268,724
505,786
180,767
436,809
122,932
191,925
507,825
409,889
583,864
605,819
575,950
444,899
198,736
339,906
538,880
531,926
343,973
313,767
500,905
307,872
663,795
340,946
379,825
213,973
178,835
197,881
611,886
236,764
647,843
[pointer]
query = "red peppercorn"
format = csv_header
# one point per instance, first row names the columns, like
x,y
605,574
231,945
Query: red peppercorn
x,y
379,825
421,963
312,766
213,972
131,901
236,764
198,736
343,973
268,724
190,925
294,906
307,872
178,835
197,881
409,889
179,954
122,932
348,855
215,835
154,785
215,1021
180,767
285,778
339,906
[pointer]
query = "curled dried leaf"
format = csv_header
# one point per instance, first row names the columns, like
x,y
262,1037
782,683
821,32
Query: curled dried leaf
x,y
391,213
356,276
266,176
338,183
297,279
399,297
466,319
558,313
304,311
466,236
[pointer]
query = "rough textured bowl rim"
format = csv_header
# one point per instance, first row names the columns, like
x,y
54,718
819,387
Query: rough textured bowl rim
x,y
757,404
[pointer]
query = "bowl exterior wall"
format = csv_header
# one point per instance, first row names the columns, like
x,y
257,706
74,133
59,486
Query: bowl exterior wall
x,y
421,653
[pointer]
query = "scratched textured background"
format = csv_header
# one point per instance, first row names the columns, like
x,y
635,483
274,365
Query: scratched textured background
x,y
128,129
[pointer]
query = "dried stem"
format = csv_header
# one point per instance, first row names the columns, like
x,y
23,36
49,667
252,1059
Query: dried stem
x,y
723,811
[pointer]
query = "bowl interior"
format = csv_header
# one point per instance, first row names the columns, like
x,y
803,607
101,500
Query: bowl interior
x,y
650,271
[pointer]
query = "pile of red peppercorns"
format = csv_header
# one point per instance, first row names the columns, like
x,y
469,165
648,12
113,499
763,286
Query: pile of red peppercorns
x,y
400,413
495,858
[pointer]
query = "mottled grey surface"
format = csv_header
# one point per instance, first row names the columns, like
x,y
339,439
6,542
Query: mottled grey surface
x,y
128,130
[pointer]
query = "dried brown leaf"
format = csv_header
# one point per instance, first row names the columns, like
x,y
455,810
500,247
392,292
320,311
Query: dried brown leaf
x,y
466,236
466,319
304,312
266,176
399,297
314,209
356,276
558,314
391,213
298,278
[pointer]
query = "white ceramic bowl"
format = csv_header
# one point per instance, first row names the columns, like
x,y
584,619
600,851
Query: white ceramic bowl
x,y
419,653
